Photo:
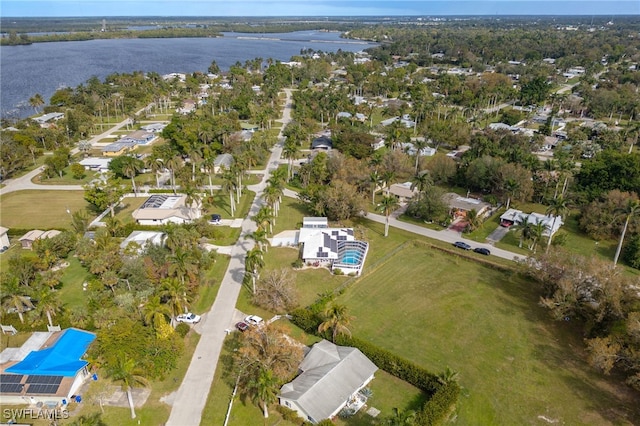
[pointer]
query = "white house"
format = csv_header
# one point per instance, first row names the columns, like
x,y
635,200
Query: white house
x,y
28,239
516,217
161,209
4,238
98,164
330,379
52,116
142,239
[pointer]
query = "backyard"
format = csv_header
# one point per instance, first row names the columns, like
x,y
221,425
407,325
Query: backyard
x,y
19,209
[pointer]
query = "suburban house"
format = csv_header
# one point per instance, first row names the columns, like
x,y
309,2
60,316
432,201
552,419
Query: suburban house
x,y
118,148
330,380
154,127
43,120
188,106
160,209
516,217
48,368
322,142
139,137
143,239
335,248
4,237
30,237
222,161
459,206
96,164
403,191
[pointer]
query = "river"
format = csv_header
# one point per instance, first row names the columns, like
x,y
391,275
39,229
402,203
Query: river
x,y
45,67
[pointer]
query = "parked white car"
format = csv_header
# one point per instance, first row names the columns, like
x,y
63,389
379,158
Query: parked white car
x,y
253,320
189,318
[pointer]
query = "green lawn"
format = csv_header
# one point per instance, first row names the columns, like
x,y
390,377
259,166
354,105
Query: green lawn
x,y
66,179
26,209
207,294
72,278
515,364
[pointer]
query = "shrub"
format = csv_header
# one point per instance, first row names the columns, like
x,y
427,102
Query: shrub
x,y
338,271
183,329
298,264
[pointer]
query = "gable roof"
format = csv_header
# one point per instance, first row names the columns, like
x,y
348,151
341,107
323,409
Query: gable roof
x,y
330,375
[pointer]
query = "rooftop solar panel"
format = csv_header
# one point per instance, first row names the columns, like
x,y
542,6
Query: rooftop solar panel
x,y
44,380
42,389
11,378
10,387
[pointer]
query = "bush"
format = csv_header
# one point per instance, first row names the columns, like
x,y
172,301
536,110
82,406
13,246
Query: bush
x,y
631,253
338,271
183,329
438,407
298,264
289,415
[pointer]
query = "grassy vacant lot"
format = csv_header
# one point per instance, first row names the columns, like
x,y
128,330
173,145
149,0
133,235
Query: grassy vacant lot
x,y
41,209
515,364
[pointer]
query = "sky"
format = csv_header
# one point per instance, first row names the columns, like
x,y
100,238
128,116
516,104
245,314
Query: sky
x,y
78,8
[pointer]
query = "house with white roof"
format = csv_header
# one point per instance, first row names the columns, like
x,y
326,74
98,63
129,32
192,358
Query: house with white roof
x,y
160,209
4,237
96,164
143,239
330,379
516,217
46,118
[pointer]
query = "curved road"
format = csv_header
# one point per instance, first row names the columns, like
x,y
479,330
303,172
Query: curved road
x,y
190,399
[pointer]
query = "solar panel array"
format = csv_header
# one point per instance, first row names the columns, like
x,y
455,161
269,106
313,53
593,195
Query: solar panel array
x,y
10,387
44,380
11,378
43,389
10,383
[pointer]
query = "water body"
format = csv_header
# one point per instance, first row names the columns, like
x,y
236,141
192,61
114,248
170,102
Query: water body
x,y
45,67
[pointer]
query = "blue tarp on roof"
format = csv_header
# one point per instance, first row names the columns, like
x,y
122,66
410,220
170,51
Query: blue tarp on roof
x,y
61,359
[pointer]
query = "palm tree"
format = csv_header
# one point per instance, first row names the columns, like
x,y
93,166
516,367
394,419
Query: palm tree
x,y
290,152
174,293
558,207
419,145
387,206
181,263
421,182
156,165
130,169
537,233
511,187
448,376
229,185
154,312
474,221
253,263
94,419
173,164
375,180
336,319
388,177
263,388
631,209
260,238
264,218
129,375
525,229
48,303
401,418
36,102
14,299
192,196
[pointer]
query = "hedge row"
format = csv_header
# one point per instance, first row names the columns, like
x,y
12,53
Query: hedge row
x,y
442,396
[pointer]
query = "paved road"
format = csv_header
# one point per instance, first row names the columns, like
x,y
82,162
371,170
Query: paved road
x,y
446,235
190,399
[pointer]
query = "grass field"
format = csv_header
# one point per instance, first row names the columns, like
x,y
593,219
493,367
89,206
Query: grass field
x,y
515,364
41,209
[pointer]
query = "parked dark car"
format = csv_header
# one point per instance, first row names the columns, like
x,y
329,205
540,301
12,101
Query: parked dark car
x,y
215,219
482,250
242,326
462,245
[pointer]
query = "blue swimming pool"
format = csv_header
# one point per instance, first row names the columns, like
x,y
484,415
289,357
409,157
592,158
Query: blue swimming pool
x,y
351,257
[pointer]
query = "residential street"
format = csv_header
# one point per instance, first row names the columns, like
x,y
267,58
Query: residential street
x,y
191,397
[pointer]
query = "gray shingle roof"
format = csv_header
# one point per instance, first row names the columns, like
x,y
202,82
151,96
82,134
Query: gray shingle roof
x,y
330,375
